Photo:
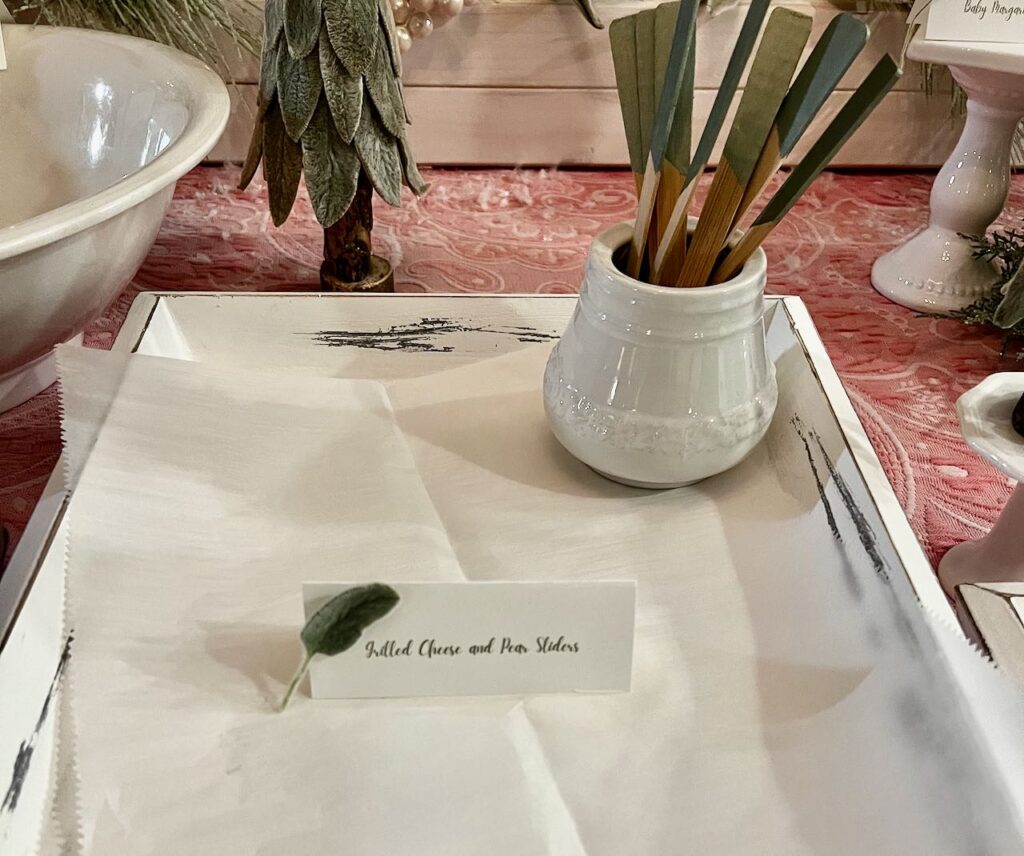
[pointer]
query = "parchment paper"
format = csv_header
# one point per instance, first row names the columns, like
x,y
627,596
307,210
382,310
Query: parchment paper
x,y
784,700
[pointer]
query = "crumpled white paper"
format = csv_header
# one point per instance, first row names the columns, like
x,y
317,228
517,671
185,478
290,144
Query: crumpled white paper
x,y
782,703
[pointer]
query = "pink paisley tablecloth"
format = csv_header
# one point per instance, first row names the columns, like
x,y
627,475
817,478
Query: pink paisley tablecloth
x,y
515,232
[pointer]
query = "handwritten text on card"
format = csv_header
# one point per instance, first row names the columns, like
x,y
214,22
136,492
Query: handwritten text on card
x,y
485,639
976,20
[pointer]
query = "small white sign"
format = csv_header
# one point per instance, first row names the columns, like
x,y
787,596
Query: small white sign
x,y
484,638
976,21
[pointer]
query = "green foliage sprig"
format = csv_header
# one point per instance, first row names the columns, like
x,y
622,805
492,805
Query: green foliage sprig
x,y
1003,306
337,625
191,26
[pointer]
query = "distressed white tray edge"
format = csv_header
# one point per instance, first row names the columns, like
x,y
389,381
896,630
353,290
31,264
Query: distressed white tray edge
x,y
31,630
42,526
44,536
922,576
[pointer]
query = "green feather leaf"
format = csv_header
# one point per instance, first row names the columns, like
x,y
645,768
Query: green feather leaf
x,y
378,151
386,91
301,26
387,17
590,13
344,91
412,172
268,70
298,88
255,154
352,27
273,12
331,167
337,625
282,165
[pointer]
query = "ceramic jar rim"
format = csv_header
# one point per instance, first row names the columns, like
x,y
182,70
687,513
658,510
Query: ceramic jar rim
x,y
605,244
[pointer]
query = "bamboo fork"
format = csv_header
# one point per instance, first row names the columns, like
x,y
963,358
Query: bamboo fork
x,y
842,41
675,72
645,25
655,77
622,35
676,162
771,72
857,108
672,247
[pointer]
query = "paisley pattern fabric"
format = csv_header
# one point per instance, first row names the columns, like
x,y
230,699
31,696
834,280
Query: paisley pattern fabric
x,y
513,232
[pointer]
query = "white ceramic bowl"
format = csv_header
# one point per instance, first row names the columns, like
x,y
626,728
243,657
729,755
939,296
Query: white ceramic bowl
x,y
95,131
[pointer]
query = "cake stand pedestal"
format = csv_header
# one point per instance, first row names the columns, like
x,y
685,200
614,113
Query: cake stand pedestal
x,y
936,271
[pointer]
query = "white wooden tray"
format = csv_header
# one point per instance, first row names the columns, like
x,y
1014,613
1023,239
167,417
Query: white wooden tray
x,y
387,337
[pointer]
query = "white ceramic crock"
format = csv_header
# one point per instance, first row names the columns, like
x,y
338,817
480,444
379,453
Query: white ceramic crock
x,y
661,387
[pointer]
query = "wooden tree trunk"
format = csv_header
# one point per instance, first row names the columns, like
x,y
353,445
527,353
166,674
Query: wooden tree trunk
x,y
349,264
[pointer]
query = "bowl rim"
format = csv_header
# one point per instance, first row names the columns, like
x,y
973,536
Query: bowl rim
x,y
208,116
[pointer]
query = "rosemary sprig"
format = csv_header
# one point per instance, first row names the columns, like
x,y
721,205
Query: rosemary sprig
x,y
1004,248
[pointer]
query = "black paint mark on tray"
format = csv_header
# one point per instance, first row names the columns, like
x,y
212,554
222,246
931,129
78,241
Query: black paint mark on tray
x,y
902,622
848,572
422,336
829,515
865,533
24,759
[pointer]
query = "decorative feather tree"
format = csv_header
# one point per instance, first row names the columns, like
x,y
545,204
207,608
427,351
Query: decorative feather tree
x,y
331,108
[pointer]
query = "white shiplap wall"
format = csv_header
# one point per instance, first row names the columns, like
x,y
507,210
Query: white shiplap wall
x,y
528,82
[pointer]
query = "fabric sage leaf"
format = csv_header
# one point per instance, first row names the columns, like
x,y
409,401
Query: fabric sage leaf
x,y
273,19
344,91
352,27
331,167
268,71
386,91
1010,311
412,172
387,17
255,154
282,165
337,625
298,90
378,151
590,13
301,26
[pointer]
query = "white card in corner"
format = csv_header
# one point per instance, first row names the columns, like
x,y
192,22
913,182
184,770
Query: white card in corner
x,y
484,638
3,53
976,21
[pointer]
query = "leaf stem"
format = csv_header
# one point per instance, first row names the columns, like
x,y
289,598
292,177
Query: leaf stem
x,y
303,668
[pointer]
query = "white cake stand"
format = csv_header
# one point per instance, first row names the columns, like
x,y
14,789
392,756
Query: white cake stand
x,y
935,271
985,422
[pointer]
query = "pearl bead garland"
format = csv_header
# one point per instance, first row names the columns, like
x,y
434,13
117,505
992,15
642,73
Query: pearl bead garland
x,y
420,25
416,19
401,10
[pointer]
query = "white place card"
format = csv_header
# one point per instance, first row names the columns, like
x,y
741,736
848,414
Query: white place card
x,y
484,638
976,21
